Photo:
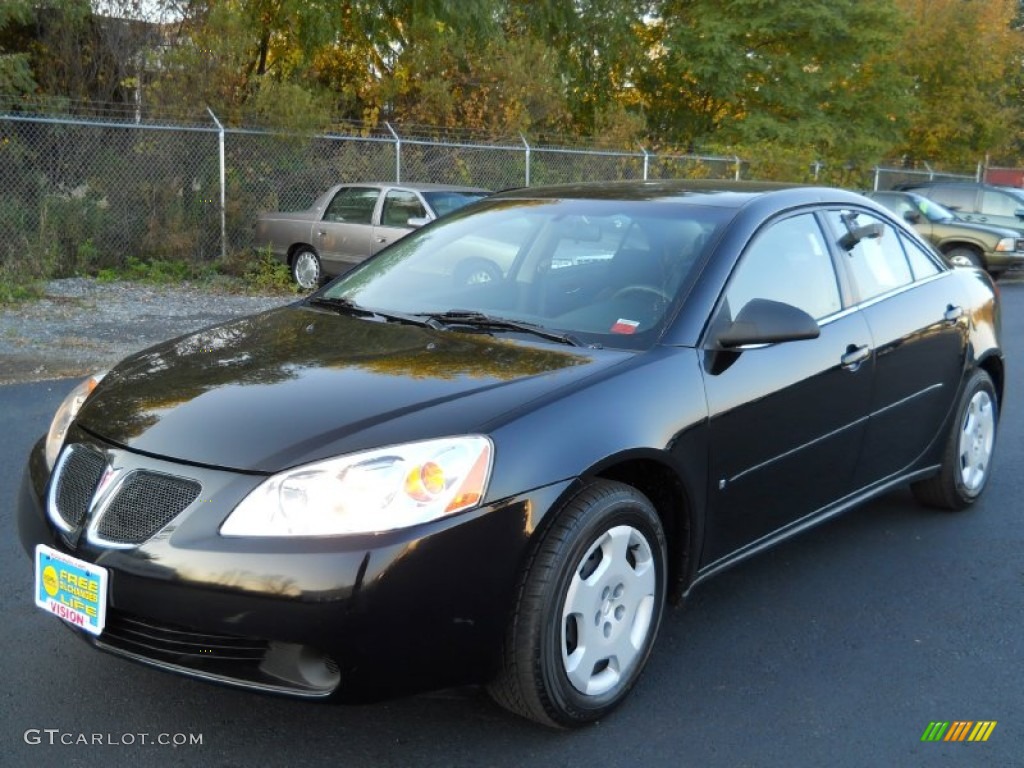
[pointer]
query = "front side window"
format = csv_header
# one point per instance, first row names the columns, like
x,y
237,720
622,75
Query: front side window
x,y
874,252
790,263
959,199
400,205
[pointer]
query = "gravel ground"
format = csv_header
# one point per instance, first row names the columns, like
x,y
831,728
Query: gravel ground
x,y
82,325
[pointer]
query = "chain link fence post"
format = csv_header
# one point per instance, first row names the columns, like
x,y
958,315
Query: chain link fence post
x,y
223,187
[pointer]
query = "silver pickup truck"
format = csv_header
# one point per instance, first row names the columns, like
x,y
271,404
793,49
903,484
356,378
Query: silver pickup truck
x,y
351,222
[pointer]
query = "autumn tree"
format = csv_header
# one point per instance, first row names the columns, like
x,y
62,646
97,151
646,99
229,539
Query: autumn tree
x,y
16,75
744,72
964,61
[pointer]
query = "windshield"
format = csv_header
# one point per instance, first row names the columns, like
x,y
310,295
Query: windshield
x,y
450,200
604,272
932,211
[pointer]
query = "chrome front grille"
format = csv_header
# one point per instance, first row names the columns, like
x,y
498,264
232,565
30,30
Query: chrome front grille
x,y
143,504
79,475
115,507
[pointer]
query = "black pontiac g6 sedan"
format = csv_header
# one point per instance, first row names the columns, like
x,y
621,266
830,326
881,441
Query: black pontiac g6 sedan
x,y
405,481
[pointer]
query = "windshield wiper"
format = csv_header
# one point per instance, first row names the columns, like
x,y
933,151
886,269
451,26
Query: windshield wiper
x,y
473,319
347,305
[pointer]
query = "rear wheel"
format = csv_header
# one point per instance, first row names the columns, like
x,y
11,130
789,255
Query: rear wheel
x,y
966,461
588,609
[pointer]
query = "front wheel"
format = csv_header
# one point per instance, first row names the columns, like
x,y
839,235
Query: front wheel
x,y
964,257
588,609
967,458
476,272
306,269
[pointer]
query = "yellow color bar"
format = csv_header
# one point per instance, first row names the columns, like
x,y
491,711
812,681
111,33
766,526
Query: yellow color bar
x,y
983,730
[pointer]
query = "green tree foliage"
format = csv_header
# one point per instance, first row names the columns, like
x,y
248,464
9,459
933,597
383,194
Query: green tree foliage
x,y
811,74
845,81
15,66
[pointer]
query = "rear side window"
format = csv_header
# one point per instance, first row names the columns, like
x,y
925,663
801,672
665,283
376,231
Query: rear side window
x,y
876,259
353,205
995,203
921,263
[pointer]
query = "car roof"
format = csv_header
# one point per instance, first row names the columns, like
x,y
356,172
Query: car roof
x,y
719,193
419,186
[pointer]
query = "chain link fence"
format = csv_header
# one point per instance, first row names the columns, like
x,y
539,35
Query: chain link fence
x,y
891,178
81,193
78,194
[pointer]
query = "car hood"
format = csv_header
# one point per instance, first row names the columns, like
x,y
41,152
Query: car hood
x,y
298,384
988,229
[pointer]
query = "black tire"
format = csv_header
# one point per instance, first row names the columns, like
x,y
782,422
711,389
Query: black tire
x,y
962,256
306,269
967,456
476,272
603,557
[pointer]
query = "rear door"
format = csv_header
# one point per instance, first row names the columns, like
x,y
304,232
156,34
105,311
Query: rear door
x,y
786,420
919,325
345,234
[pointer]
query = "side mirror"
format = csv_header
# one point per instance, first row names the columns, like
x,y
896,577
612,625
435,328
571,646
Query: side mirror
x,y
417,221
914,217
762,321
856,234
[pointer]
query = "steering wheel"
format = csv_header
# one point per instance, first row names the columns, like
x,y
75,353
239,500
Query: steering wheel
x,y
642,289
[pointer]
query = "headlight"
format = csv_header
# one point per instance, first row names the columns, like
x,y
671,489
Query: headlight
x,y
1007,244
370,492
66,414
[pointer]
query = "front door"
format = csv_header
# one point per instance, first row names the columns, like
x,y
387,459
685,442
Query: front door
x,y
786,420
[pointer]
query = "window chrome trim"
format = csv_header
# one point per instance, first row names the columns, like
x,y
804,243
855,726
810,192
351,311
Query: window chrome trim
x,y
899,290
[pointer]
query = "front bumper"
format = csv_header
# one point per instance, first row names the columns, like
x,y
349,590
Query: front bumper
x,y
1005,261
357,618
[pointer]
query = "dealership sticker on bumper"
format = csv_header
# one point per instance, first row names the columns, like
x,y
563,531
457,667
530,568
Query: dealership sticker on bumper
x,y
71,589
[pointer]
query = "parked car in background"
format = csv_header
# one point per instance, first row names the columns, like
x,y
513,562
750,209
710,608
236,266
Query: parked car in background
x,y
403,482
975,201
966,244
351,222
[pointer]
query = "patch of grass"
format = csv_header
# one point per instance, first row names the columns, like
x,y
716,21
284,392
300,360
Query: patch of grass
x,y
266,274
157,271
12,293
17,285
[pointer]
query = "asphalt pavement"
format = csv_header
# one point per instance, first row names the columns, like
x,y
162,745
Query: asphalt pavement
x,y
836,649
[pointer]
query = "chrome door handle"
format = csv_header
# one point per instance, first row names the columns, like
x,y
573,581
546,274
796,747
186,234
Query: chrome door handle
x,y
953,313
854,356
382,239
321,233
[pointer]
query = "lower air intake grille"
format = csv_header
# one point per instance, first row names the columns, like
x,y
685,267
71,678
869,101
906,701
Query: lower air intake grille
x,y
179,645
145,503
